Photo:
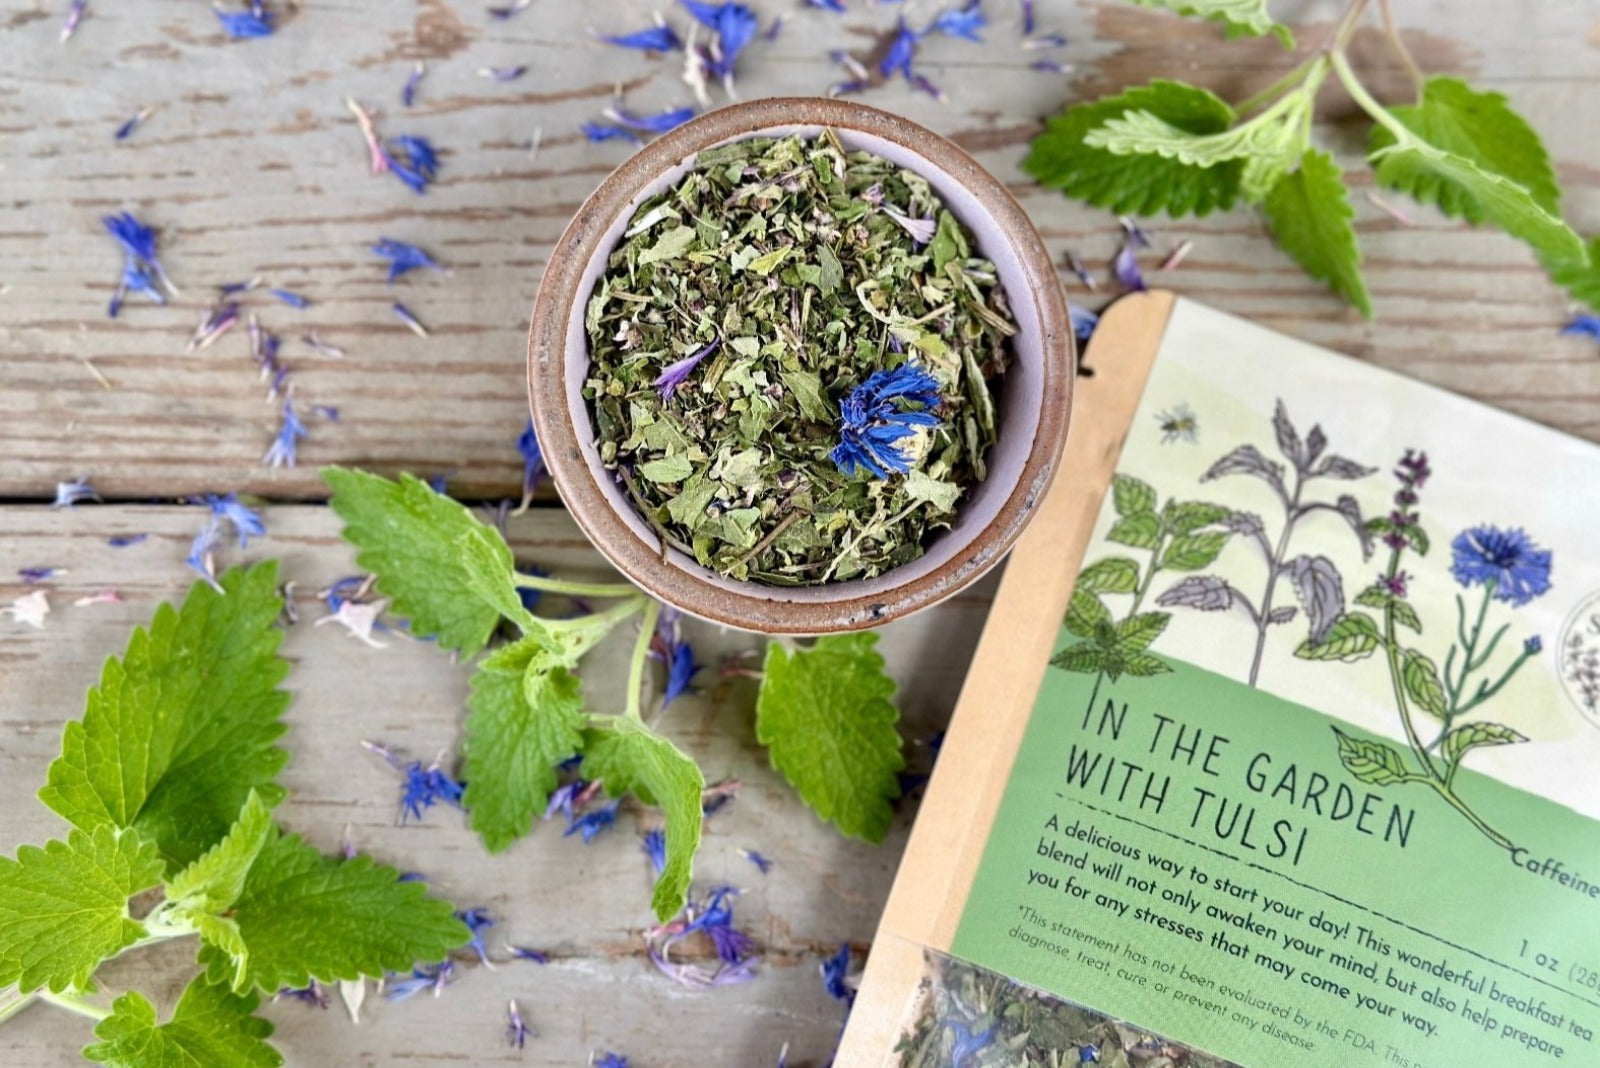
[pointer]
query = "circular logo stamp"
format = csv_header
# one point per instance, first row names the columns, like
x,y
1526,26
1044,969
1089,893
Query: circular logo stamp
x,y
1578,658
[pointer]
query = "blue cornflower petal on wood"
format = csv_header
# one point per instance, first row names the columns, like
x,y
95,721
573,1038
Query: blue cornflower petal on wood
x,y
516,1027
281,453
1126,266
670,119
532,460
136,239
660,38
122,541
477,921
593,822
735,26
680,671
962,22
403,257
611,1060
294,300
655,847
605,131
408,94
828,5
246,523
1506,559
75,12
1084,322
901,54
1584,325
74,492
871,422
502,74
245,24
834,970
761,862
413,160
506,11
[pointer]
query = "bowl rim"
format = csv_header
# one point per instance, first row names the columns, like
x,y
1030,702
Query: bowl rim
x,y
764,610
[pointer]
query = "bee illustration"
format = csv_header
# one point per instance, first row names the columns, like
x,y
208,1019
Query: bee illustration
x,y
1178,423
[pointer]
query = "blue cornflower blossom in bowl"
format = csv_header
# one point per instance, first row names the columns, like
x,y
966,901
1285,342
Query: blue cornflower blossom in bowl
x,y
1505,559
879,414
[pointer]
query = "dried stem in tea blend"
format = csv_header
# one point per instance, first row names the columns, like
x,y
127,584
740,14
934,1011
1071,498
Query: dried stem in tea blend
x,y
794,353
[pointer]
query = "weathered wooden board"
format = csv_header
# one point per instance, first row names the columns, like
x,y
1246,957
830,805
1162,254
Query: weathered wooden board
x,y
252,166
585,905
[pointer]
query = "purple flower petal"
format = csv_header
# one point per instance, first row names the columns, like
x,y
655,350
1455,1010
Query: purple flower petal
x,y
674,374
660,38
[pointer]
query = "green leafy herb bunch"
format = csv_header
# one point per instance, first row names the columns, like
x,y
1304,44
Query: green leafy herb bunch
x,y
1174,147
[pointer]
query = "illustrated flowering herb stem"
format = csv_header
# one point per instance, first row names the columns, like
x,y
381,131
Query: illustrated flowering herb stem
x,y
1173,147
169,781
1316,580
793,356
454,579
1510,568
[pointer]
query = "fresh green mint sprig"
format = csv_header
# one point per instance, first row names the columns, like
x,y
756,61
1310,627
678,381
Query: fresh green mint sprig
x,y
169,781
1173,147
824,712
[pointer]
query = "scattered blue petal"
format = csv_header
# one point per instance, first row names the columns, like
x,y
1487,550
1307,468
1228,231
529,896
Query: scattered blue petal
x,y
425,787
74,492
1051,66
432,977
967,1043
1028,19
32,576
122,541
591,823
246,523
660,123
403,257
834,970
605,131
655,847
901,54
1584,325
125,131
136,239
245,24
477,921
313,994
502,74
412,322
611,1060
532,462
563,797
1126,266
516,1028
680,673
674,374
505,12
872,419
962,22
1089,1053
74,16
294,300
829,5
281,453
408,95
1084,322
527,594
735,26
761,862
1507,560
413,160
538,956
655,39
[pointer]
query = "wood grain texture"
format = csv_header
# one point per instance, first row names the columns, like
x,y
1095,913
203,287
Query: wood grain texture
x,y
585,905
252,166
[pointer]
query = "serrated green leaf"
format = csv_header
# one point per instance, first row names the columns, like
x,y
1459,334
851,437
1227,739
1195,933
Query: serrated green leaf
x,y
1310,216
1477,126
1242,17
1086,613
826,716
1267,145
1375,763
1378,597
210,1028
1137,531
1352,637
1191,552
1472,736
1502,201
521,723
1420,678
180,728
215,881
1140,185
1131,496
1083,658
410,537
1135,633
304,916
1186,517
629,757
64,908
1143,665
1114,574
489,567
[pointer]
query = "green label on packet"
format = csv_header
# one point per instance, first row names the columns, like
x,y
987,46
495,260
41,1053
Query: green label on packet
x,y
1191,855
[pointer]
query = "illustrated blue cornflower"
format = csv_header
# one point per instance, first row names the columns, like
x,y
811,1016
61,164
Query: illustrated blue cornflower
x,y
963,22
281,453
255,22
1508,560
757,859
516,1029
591,823
1533,646
413,160
655,847
735,26
873,418
1084,322
403,257
674,374
74,492
967,1043
659,38
834,970
477,921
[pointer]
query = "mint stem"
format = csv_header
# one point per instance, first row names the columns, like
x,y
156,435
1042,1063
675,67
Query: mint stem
x,y
641,652
574,589
73,1003
13,1001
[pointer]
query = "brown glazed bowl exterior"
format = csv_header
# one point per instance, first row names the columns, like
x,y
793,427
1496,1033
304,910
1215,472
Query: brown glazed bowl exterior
x,y
1034,402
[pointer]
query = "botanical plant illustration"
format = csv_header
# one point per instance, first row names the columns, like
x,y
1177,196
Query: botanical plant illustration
x,y
1509,568
1315,579
1580,666
1181,537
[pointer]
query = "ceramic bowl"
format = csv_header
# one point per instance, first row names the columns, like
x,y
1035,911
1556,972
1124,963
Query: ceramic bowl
x,y
1034,400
